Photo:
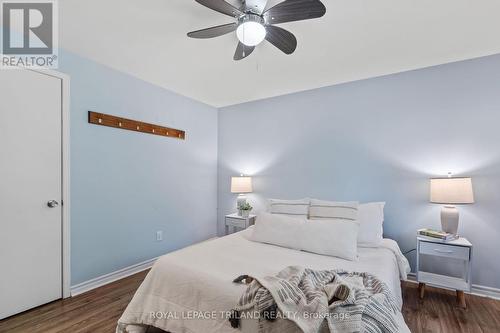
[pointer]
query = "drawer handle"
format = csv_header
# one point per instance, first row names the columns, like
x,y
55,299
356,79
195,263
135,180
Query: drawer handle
x,y
443,251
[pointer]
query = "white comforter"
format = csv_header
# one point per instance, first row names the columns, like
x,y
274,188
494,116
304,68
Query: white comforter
x,y
191,290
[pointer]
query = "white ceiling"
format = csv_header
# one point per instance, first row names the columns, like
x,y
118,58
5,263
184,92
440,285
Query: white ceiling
x,y
356,39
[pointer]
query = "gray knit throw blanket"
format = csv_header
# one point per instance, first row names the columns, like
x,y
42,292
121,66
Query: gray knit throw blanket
x,y
349,302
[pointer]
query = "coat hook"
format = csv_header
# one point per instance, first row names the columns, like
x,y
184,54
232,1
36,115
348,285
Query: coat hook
x,y
128,124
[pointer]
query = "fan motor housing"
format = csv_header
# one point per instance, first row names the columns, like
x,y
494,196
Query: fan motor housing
x,y
251,18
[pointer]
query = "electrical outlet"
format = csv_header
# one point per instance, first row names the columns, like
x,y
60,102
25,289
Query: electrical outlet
x,y
159,235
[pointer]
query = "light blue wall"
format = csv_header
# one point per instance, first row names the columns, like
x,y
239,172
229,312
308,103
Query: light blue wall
x,y
126,185
378,139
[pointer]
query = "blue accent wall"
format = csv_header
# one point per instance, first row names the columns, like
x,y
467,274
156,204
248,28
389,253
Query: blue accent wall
x,y
125,186
378,140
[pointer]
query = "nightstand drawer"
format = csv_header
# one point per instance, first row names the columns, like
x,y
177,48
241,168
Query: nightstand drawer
x,y
240,223
444,250
234,221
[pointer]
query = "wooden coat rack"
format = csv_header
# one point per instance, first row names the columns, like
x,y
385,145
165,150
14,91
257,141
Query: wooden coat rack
x,y
134,125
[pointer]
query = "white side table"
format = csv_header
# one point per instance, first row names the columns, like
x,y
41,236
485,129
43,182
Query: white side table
x,y
240,222
459,249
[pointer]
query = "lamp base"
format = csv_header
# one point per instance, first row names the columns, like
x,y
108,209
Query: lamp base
x,y
242,199
449,219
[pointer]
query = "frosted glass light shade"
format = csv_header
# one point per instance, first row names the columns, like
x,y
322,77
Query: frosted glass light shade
x,y
452,191
251,33
241,184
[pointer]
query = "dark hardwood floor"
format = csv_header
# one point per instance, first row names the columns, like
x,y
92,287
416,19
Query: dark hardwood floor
x,y
95,311
439,312
98,310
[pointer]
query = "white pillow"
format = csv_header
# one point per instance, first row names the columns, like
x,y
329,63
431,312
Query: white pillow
x,y
371,219
320,210
328,237
337,238
278,230
293,208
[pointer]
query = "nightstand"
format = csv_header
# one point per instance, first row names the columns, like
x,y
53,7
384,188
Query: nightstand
x,y
456,251
240,222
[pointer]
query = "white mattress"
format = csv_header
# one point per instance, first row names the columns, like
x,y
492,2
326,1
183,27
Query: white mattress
x,y
191,289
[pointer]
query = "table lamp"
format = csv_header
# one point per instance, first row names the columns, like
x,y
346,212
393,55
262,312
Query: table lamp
x,y
450,192
241,185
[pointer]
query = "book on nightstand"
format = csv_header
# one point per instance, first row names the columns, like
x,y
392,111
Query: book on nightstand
x,y
436,234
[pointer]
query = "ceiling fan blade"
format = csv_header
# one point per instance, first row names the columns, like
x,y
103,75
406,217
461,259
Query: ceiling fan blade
x,y
294,10
243,51
281,38
213,31
221,6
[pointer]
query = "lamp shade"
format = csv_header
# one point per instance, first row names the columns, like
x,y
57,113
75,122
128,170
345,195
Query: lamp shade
x,y
452,191
241,184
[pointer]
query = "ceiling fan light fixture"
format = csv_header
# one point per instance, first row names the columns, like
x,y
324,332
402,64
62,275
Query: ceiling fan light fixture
x,y
253,22
251,30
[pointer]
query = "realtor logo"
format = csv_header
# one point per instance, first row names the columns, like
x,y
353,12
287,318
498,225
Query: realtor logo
x,y
29,33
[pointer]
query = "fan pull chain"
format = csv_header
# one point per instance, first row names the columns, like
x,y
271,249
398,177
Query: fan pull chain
x,y
244,47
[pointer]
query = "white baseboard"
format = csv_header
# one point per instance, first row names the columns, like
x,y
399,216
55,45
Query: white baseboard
x,y
476,289
111,277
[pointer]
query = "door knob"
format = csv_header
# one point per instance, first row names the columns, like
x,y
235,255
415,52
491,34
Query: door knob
x,y
52,203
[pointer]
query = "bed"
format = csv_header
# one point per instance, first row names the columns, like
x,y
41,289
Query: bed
x,y
191,290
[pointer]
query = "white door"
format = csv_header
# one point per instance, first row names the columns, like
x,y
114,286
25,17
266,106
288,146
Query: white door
x,y
30,177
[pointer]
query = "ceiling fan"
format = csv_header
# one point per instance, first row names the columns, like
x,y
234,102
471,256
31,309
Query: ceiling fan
x,y
253,23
